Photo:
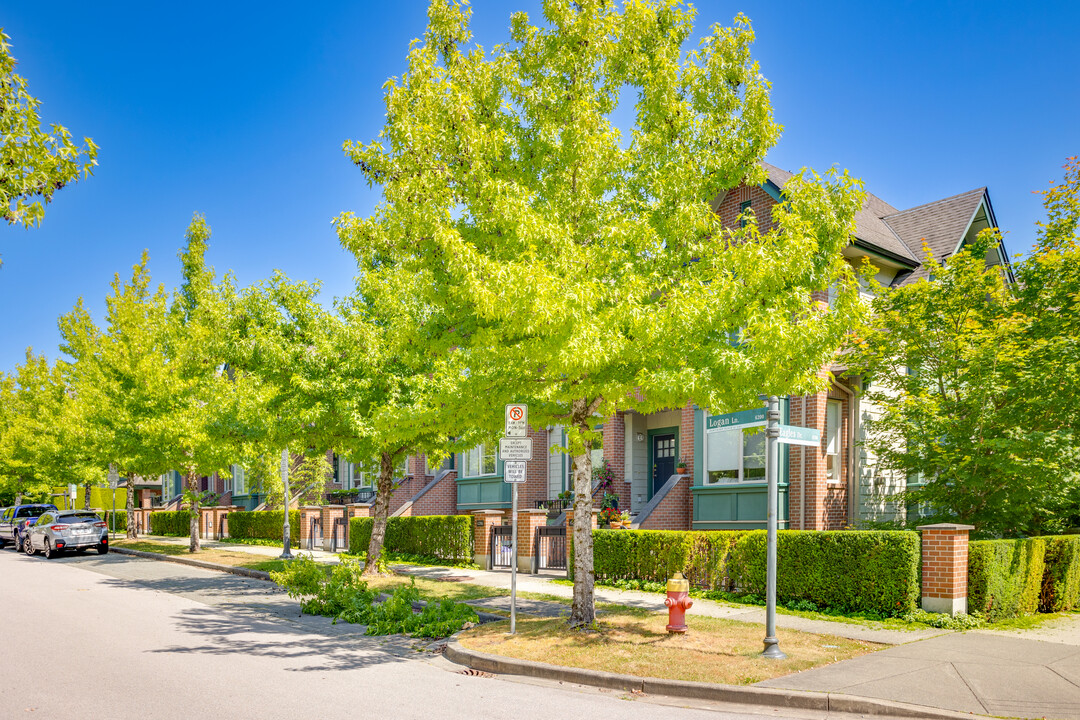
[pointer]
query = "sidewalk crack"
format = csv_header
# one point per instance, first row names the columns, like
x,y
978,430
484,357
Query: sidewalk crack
x,y
975,695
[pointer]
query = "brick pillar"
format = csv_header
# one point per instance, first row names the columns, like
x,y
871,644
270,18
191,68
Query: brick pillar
x,y
687,439
945,567
307,514
329,514
482,522
570,520
359,510
528,521
615,455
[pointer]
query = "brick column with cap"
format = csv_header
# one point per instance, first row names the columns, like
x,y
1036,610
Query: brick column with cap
x,y
528,521
945,567
482,522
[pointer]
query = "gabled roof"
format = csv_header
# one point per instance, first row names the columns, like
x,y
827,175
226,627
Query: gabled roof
x,y
899,235
869,227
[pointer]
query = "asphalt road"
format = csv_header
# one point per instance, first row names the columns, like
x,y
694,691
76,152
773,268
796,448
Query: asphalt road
x,y
121,637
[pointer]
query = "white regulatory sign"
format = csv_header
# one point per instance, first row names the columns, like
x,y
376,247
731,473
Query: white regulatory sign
x,y
512,448
517,421
514,471
114,478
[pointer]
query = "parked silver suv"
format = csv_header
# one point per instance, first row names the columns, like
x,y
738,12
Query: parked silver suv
x,y
59,530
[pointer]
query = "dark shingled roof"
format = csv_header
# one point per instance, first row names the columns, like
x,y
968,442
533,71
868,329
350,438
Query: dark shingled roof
x,y
880,226
941,225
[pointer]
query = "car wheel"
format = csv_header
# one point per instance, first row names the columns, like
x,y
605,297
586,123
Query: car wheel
x,y
49,553
102,549
18,542
28,547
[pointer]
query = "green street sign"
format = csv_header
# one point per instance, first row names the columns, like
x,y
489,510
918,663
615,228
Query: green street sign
x,y
795,435
743,418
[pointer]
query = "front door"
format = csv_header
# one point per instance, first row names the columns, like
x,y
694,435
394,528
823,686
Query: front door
x,y
663,452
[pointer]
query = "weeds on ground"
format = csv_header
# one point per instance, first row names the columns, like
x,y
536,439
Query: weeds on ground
x,y
345,596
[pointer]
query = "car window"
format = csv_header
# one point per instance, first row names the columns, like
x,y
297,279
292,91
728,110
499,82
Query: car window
x,y
44,519
80,518
7,513
25,512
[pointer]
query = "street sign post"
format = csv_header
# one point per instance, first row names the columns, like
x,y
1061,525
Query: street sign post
x,y
515,449
772,455
286,540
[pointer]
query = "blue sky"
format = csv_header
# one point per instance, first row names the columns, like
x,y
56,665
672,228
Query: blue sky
x,y
238,110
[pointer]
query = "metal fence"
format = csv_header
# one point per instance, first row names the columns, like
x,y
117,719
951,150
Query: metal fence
x,y
551,547
315,536
502,548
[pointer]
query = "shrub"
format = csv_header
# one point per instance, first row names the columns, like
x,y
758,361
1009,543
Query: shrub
x,y
1005,577
171,522
1061,578
263,525
119,518
446,537
656,555
861,571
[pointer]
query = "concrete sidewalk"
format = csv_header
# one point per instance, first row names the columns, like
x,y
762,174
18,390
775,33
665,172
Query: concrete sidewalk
x,y
543,584
977,672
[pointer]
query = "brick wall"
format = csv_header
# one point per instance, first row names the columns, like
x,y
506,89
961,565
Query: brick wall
x,y
440,498
615,455
761,203
826,502
673,511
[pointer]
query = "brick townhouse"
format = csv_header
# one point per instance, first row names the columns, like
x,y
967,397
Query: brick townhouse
x,y
833,486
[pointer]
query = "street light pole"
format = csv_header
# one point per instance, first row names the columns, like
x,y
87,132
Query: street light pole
x,y
286,554
772,465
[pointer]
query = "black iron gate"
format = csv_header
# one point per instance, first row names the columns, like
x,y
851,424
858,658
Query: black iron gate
x,y
340,540
502,550
315,538
551,547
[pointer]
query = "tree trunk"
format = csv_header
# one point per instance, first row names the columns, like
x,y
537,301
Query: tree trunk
x,y
382,511
129,506
86,499
18,498
583,610
191,482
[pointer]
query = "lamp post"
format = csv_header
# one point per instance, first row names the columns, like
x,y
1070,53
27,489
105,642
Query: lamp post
x,y
772,455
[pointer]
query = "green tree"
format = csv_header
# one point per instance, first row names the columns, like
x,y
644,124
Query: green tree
x,y
34,163
121,373
975,379
197,427
336,381
540,253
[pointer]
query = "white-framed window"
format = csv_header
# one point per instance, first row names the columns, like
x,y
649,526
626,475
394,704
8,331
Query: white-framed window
x,y
239,485
832,441
362,475
733,456
479,461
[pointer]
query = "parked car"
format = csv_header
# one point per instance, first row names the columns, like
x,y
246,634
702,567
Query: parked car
x,y
15,519
59,531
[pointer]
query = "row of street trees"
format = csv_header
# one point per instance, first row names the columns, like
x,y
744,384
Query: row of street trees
x,y
526,249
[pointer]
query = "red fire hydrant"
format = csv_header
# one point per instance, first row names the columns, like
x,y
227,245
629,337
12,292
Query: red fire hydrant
x,y
678,602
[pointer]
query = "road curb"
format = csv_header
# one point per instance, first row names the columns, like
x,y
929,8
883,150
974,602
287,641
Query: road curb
x,y
244,572
745,695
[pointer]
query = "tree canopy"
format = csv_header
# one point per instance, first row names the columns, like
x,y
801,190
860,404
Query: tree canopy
x,y
545,255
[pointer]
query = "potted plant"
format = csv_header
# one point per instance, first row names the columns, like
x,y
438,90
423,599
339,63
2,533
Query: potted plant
x,y
681,468
609,516
626,519
566,495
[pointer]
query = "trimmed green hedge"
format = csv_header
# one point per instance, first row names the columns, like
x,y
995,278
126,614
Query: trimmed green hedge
x,y
447,537
171,522
263,524
656,555
846,570
1005,577
854,570
120,519
1061,579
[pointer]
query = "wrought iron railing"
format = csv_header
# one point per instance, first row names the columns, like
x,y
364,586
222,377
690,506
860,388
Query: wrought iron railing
x,y
555,505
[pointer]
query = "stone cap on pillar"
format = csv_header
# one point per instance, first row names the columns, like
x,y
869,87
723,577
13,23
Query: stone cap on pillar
x,y
946,526
311,507
488,512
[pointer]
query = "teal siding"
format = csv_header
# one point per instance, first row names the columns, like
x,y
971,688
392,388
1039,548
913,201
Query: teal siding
x,y
249,502
736,507
483,493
